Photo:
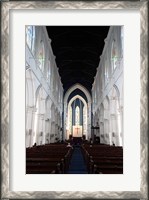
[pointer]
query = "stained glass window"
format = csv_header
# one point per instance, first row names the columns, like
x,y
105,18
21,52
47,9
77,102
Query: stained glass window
x,y
48,74
77,116
106,73
113,55
30,37
41,56
122,40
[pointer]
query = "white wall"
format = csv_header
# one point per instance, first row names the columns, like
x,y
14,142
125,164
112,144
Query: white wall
x,y
107,90
44,93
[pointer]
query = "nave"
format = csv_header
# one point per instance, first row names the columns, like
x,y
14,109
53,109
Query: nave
x,y
74,94
72,158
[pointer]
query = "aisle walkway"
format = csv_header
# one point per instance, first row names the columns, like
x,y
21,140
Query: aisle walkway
x,y
77,164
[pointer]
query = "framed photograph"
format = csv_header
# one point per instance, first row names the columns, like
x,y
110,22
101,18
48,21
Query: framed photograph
x,y
19,21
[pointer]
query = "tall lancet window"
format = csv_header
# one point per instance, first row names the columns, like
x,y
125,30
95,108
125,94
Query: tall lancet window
x,y
113,55
48,74
41,56
122,40
77,116
30,37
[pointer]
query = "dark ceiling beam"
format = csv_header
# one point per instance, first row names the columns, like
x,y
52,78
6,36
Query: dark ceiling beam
x,y
70,75
80,66
61,34
88,73
69,63
77,50
90,61
74,35
74,49
80,76
93,46
94,34
85,84
69,41
77,55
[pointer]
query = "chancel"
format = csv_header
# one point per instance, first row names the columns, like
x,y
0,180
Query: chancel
x,y
74,99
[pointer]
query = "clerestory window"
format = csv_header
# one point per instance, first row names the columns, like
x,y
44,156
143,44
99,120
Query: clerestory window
x,y
30,37
113,55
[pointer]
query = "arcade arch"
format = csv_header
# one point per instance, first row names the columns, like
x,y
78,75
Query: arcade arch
x,y
115,117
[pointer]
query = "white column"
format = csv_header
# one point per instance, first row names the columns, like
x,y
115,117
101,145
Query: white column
x,y
89,120
65,120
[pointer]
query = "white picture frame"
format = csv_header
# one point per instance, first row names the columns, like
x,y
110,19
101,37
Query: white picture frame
x,y
7,8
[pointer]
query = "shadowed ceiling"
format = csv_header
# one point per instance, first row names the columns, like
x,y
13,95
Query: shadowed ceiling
x,y
77,50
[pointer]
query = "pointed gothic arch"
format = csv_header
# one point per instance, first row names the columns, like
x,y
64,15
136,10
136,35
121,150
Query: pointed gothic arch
x,y
74,87
85,113
88,96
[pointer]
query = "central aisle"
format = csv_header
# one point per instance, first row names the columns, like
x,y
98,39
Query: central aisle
x,y
77,164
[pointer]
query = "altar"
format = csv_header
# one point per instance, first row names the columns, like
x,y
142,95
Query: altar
x,y
77,131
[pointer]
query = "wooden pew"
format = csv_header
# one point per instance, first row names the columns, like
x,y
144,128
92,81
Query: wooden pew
x,y
47,159
108,169
103,159
46,162
106,165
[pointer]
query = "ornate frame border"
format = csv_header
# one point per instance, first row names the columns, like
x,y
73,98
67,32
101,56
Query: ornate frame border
x,y
6,7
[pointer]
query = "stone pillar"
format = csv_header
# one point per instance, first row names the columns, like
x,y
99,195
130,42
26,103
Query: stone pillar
x,y
89,121
120,126
30,120
65,120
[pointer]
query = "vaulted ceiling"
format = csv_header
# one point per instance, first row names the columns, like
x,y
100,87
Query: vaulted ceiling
x,y
77,50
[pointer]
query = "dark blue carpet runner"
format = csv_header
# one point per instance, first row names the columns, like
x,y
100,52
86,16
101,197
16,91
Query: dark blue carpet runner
x,y
77,164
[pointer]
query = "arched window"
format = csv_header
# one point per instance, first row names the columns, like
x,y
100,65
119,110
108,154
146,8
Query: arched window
x,y
113,55
41,57
48,75
77,117
122,40
106,72
30,37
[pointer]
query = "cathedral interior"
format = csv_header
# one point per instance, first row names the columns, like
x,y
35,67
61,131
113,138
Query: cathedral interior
x,y
74,99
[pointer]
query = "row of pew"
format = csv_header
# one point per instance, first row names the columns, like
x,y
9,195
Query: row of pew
x,y
48,159
103,159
